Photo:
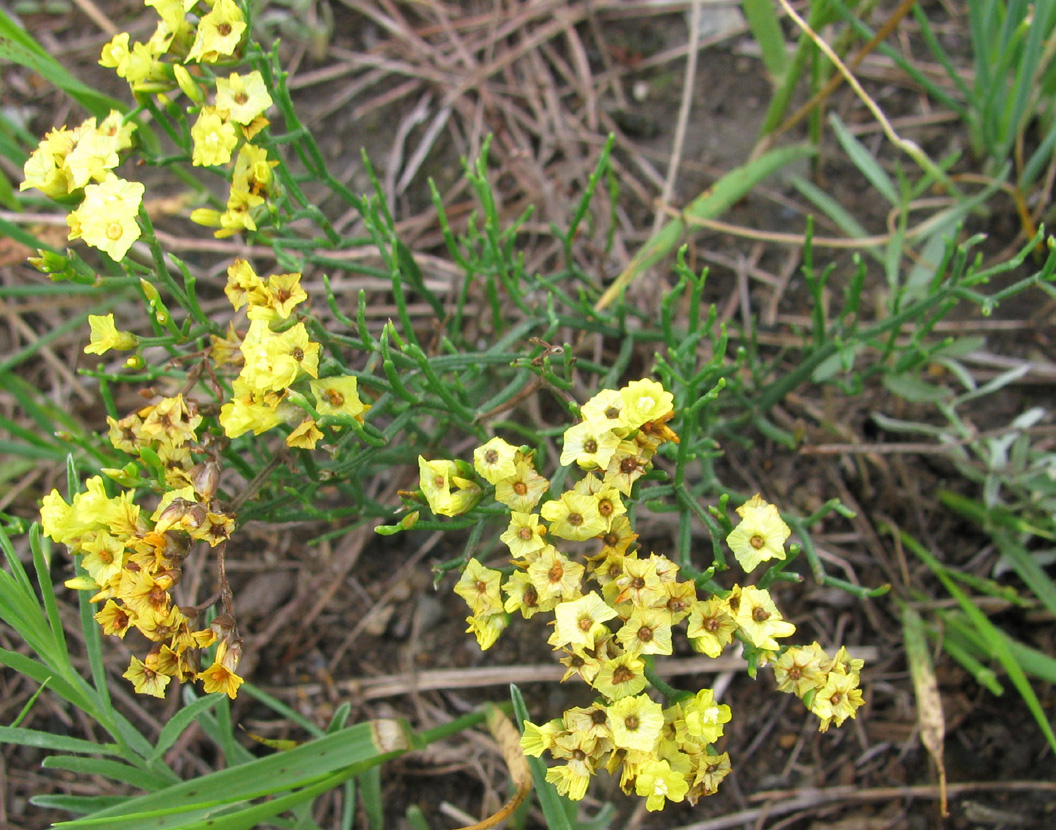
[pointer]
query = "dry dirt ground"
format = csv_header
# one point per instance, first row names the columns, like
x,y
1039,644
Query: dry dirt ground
x,y
419,85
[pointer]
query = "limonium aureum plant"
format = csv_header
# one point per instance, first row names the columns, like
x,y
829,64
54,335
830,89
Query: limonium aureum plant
x,y
612,607
277,373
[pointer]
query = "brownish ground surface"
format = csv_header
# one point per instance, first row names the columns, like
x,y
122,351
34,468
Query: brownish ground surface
x,y
419,86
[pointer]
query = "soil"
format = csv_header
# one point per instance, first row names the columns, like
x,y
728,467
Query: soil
x,y
326,624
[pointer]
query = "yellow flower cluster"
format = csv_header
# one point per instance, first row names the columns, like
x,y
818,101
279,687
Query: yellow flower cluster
x,y
238,113
275,355
79,164
234,117
662,754
607,633
828,686
133,562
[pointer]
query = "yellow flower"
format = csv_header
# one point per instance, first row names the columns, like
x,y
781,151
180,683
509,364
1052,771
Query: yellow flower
x,y
104,557
704,717
245,412
252,170
525,535
574,516
571,778
522,595
495,461
172,12
479,587
757,617
523,491
219,678
580,622
145,680
436,479
214,138
106,218
554,575
605,412
640,583
760,535
115,54
243,285
711,770
658,783
338,397
285,293
91,157
305,435
628,464
636,722
218,33
591,448
646,631
800,669
244,97
839,699
487,628
535,740
114,619
274,361
57,519
105,335
645,400
621,676
711,627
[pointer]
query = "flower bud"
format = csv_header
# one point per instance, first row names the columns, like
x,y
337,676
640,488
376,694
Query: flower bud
x,y
205,478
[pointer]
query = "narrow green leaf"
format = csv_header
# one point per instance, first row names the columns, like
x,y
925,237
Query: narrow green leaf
x,y
867,165
762,20
994,639
726,192
18,46
1028,569
914,389
175,726
553,805
76,803
59,743
116,770
37,671
365,743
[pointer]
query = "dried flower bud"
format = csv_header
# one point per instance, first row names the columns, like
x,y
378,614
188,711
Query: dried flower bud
x,y
205,478
223,626
231,654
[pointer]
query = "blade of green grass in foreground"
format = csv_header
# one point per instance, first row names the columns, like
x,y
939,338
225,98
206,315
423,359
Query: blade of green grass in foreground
x,y
314,767
555,808
726,192
995,642
18,46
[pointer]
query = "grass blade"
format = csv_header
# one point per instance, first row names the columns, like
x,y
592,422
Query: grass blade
x,y
728,190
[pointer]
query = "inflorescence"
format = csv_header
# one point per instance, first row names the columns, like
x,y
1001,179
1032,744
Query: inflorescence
x,y
616,609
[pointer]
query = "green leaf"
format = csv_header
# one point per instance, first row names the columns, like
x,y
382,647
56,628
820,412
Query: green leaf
x,y
915,390
555,807
175,726
328,760
994,640
867,165
76,803
18,46
726,192
762,20
60,743
115,770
